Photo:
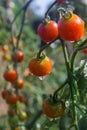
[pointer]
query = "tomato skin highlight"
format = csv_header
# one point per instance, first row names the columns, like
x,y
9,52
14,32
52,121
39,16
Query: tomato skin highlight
x,y
53,110
71,29
48,31
40,67
10,75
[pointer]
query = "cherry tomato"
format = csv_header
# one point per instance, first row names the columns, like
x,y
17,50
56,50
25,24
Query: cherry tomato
x,y
22,115
20,83
5,48
14,41
11,98
40,67
6,57
59,1
84,50
71,28
10,75
4,94
48,31
53,110
18,55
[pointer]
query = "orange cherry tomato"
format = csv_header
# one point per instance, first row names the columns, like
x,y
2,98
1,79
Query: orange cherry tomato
x,y
20,83
40,67
10,75
71,28
53,110
5,48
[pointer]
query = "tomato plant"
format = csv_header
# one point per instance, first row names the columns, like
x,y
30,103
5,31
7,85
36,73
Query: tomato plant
x,y
48,31
40,66
10,75
71,28
5,48
52,109
84,50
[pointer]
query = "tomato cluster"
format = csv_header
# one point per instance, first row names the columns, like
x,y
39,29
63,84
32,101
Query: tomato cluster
x,y
70,27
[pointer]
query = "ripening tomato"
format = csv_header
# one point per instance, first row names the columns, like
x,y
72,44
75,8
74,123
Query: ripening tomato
x,y
18,55
5,48
22,115
48,31
84,50
71,28
14,41
10,75
40,67
21,97
53,110
4,94
11,98
20,83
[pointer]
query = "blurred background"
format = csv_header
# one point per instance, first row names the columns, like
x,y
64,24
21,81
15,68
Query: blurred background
x,y
35,89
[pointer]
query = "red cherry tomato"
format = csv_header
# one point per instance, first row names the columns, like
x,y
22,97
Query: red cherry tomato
x,y
40,67
72,28
11,98
59,1
84,50
10,75
48,31
53,110
20,83
18,55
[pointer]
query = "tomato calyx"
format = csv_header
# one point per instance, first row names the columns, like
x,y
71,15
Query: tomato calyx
x,y
66,14
40,57
46,20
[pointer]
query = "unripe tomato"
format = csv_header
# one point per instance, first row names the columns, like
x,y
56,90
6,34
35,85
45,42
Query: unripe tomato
x,y
48,31
71,28
6,57
22,115
11,98
20,83
18,55
5,48
53,110
4,94
84,50
40,67
10,75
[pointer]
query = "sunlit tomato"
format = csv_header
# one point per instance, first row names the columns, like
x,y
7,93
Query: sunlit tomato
x,y
71,28
5,48
48,31
10,75
53,110
18,55
22,115
59,1
20,83
40,67
11,98
84,50
4,94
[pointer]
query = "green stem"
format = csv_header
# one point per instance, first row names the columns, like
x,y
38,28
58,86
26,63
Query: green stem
x,y
56,92
80,47
49,9
71,84
45,46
